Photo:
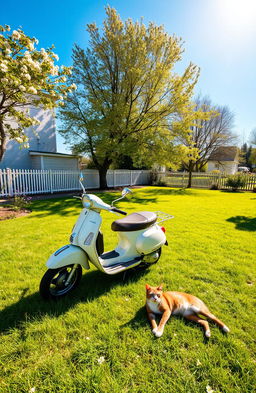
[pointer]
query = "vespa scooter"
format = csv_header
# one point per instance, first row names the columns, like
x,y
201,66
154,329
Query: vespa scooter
x,y
140,239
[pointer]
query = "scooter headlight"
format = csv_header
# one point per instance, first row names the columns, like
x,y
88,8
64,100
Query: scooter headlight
x,y
87,202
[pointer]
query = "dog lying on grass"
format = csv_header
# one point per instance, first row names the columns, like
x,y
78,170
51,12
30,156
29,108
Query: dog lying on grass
x,y
177,303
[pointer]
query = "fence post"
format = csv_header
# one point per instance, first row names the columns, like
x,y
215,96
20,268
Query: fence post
x,y
9,181
50,177
114,177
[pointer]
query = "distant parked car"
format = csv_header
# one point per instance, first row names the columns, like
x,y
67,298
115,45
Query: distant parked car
x,y
243,169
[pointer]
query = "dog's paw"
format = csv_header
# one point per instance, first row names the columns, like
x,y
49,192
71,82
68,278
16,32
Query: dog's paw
x,y
225,329
159,333
208,334
154,330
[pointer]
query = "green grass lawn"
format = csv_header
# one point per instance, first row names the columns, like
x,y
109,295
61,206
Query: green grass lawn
x,y
98,338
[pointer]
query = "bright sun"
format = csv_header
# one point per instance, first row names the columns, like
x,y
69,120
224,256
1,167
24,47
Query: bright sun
x,y
238,15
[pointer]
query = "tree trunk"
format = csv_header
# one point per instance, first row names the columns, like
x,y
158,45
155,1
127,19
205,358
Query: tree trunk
x,y
2,140
103,177
190,170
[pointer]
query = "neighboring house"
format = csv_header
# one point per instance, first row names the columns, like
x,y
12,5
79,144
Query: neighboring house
x,y
224,159
42,152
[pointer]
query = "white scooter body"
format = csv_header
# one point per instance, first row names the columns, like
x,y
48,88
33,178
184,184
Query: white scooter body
x,y
134,246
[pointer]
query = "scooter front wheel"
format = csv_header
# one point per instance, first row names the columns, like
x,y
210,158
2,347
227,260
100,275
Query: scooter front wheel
x,y
56,283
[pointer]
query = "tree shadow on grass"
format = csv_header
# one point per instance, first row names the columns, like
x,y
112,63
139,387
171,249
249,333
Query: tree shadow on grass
x,y
69,206
244,223
169,191
92,286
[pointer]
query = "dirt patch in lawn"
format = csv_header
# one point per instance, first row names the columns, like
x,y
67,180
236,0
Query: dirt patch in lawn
x,y
7,213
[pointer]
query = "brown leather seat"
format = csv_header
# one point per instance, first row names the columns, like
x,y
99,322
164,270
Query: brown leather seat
x,y
134,222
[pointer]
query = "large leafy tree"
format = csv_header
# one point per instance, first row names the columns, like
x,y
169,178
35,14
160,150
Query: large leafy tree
x,y
128,95
212,128
28,77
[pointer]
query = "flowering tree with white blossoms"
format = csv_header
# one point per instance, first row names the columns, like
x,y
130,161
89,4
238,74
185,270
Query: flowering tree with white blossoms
x,y
28,77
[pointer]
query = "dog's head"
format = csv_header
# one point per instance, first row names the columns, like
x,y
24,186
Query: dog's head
x,y
154,293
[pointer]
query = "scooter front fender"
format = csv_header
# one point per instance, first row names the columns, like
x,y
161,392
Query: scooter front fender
x,y
68,255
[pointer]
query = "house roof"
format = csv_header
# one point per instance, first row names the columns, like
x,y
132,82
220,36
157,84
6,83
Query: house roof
x,y
224,153
51,154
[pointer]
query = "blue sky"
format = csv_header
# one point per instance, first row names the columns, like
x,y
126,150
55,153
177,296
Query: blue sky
x,y
219,36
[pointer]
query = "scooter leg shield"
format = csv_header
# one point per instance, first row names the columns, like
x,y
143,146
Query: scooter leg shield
x,y
68,255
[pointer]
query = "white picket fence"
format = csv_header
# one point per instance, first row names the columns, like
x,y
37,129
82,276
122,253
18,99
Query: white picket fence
x,y
28,182
205,180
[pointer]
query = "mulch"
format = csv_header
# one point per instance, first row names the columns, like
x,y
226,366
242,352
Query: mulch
x,y
7,213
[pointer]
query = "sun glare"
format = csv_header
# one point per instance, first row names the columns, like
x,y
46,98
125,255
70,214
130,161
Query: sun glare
x,y
239,16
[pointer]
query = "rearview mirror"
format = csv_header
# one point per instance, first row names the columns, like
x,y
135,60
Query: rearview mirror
x,y
126,191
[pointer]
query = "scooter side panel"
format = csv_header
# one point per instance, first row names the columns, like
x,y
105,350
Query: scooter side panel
x,y
150,240
68,255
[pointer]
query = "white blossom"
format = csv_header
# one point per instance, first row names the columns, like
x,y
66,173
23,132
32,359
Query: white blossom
x,y
24,68
32,90
3,67
55,70
22,88
44,53
6,44
55,56
19,139
209,389
27,76
101,360
31,46
73,86
16,35
5,80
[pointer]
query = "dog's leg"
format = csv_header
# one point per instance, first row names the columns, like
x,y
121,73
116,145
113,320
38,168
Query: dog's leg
x,y
166,315
152,320
202,322
218,322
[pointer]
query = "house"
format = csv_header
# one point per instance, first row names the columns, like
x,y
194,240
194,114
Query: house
x,y
42,151
224,159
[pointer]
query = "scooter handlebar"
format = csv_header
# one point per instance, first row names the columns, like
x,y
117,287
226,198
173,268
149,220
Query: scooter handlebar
x,y
114,209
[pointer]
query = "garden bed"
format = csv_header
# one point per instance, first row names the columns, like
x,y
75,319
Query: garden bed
x,y
7,213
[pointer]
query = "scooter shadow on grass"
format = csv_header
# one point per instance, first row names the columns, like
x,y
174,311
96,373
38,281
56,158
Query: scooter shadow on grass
x,y
92,286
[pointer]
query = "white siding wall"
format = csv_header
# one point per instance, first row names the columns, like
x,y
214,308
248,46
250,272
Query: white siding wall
x,y
42,137
36,162
60,163
229,167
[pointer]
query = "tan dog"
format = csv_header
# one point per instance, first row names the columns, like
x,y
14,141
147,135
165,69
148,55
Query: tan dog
x,y
177,303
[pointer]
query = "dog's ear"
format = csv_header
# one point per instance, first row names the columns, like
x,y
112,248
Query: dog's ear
x,y
147,287
160,287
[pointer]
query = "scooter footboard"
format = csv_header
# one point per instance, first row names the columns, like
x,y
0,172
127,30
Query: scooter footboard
x,y
68,255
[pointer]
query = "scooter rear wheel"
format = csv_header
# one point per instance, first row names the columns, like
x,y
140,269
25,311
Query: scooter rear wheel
x,y
53,286
145,264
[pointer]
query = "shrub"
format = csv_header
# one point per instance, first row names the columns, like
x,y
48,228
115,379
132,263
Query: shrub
x,y
236,181
214,186
154,177
21,203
